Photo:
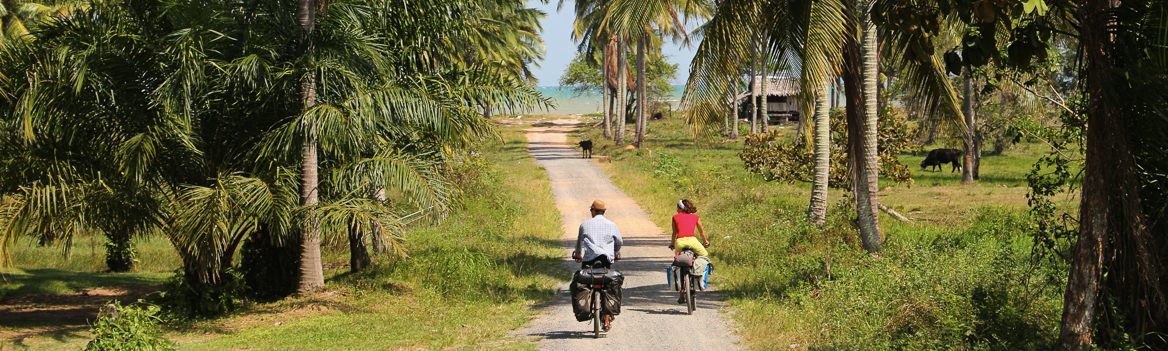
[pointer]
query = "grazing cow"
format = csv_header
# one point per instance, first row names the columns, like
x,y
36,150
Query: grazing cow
x,y
939,157
586,149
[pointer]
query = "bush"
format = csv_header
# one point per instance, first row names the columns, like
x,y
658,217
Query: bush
x,y
131,327
185,296
269,270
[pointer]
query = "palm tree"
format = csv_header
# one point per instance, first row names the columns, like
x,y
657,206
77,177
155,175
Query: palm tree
x,y
202,119
865,157
643,20
817,210
311,273
812,30
18,17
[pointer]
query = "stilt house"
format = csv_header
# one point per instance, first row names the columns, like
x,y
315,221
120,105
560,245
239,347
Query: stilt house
x,y
782,98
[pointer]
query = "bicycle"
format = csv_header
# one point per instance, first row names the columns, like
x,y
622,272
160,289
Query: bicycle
x,y
687,283
688,279
597,283
598,278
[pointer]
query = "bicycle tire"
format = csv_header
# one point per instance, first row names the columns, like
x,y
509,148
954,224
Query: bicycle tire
x,y
692,298
596,313
687,289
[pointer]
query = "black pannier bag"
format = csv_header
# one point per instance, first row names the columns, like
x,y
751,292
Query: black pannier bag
x,y
683,259
611,296
610,293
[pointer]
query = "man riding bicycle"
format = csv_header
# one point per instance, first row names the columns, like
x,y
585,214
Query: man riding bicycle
x,y
600,240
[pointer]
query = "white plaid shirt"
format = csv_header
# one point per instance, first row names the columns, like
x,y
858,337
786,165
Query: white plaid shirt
x,y
599,236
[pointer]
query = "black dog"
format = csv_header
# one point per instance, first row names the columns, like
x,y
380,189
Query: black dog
x,y
586,145
938,157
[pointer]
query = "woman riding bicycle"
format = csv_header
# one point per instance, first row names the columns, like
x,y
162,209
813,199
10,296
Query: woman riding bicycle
x,y
684,224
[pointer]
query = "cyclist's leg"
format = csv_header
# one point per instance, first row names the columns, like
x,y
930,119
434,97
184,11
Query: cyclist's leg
x,y
691,243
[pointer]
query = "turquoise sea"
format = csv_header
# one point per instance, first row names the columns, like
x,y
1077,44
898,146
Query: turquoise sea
x,y
568,102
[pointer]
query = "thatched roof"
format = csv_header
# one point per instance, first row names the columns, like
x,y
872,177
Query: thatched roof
x,y
776,86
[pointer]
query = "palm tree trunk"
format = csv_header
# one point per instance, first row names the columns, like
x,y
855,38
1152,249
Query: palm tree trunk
x,y
763,106
605,93
967,110
866,158
641,105
754,85
726,125
358,251
375,237
817,211
622,69
734,129
311,270
119,251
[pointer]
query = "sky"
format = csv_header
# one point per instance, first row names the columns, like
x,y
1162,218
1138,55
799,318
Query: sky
x,y
557,37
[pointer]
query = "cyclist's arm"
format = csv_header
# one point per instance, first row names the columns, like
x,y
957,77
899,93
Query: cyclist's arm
x,y
617,241
702,231
579,241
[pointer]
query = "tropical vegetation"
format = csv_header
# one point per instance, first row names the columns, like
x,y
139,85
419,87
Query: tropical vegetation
x,y
210,125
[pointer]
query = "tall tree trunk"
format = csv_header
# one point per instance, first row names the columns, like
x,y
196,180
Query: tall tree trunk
x,y
375,237
311,269
817,211
119,250
754,82
835,93
606,92
867,166
358,251
641,105
1113,234
764,106
622,92
967,110
726,124
734,128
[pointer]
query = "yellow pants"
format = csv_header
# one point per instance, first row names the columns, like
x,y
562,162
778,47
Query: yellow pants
x,y
689,242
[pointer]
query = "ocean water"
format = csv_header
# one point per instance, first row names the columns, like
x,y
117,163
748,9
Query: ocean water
x,y
568,102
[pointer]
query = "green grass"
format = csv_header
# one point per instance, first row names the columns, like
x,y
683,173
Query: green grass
x,y
49,270
959,278
469,280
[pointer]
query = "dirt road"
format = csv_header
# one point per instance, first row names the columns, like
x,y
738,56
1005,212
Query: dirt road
x,y
651,318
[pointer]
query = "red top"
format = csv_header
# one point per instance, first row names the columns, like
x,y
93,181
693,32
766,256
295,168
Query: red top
x,y
686,224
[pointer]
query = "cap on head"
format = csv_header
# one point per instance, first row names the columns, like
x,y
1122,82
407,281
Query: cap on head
x,y
598,205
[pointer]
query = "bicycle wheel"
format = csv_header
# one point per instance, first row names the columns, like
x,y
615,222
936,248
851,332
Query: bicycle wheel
x,y
687,289
692,299
596,313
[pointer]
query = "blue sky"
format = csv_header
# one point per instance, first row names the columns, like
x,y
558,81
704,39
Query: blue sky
x,y
557,36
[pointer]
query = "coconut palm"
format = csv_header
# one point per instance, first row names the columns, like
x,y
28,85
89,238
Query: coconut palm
x,y
811,32
817,210
643,21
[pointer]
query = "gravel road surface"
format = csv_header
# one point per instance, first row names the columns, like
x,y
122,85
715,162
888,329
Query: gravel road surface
x,y
651,318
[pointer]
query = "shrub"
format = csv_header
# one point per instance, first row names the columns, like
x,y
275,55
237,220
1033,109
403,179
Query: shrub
x,y
269,270
185,296
130,327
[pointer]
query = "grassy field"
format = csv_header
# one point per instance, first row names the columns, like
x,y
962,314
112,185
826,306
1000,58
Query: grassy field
x,y
959,277
469,280
47,269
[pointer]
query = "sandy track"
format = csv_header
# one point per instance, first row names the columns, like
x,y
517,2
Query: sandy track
x,y
651,318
